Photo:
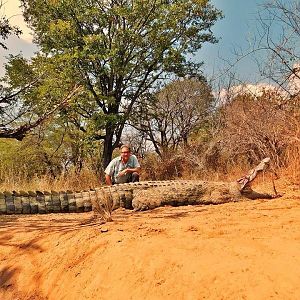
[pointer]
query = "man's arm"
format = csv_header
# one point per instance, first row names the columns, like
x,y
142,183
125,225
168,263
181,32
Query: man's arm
x,y
109,171
130,170
108,179
135,167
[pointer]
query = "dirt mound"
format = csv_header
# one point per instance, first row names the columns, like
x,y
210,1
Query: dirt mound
x,y
247,250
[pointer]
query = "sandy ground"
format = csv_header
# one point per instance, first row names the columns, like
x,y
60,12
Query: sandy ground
x,y
247,250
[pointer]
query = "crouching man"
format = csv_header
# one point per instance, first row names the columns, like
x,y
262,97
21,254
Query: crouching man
x,y
124,168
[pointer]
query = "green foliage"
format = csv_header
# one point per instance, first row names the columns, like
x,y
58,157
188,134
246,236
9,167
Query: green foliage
x,y
19,72
17,160
52,151
32,91
117,50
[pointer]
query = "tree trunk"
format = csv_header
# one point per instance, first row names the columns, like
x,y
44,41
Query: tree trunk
x,y
107,148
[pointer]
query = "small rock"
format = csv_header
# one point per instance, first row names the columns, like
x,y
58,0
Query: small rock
x,y
104,229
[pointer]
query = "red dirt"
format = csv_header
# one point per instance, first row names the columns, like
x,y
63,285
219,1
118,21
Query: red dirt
x,y
247,250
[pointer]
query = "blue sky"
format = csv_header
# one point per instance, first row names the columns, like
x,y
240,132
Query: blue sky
x,y
234,31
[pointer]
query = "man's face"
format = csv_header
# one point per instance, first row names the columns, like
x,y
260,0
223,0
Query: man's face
x,y
125,153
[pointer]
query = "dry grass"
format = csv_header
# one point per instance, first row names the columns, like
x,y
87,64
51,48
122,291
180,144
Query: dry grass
x,y
292,171
193,167
185,164
103,206
86,179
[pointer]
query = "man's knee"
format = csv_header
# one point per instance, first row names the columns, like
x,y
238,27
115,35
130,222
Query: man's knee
x,y
135,177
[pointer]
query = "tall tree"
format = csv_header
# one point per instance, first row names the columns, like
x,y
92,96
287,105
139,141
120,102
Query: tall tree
x,y
119,49
20,111
25,100
168,117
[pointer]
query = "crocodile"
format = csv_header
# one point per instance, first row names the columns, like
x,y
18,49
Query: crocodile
x,y
138,196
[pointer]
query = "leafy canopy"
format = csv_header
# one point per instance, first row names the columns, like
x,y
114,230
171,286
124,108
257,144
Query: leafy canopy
x,y
119,49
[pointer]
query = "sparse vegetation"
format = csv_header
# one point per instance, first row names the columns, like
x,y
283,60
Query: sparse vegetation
x,y
103,206
180,130
249,130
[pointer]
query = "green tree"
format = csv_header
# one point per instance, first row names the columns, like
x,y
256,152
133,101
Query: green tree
x,y
32,93
25,102
119,49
